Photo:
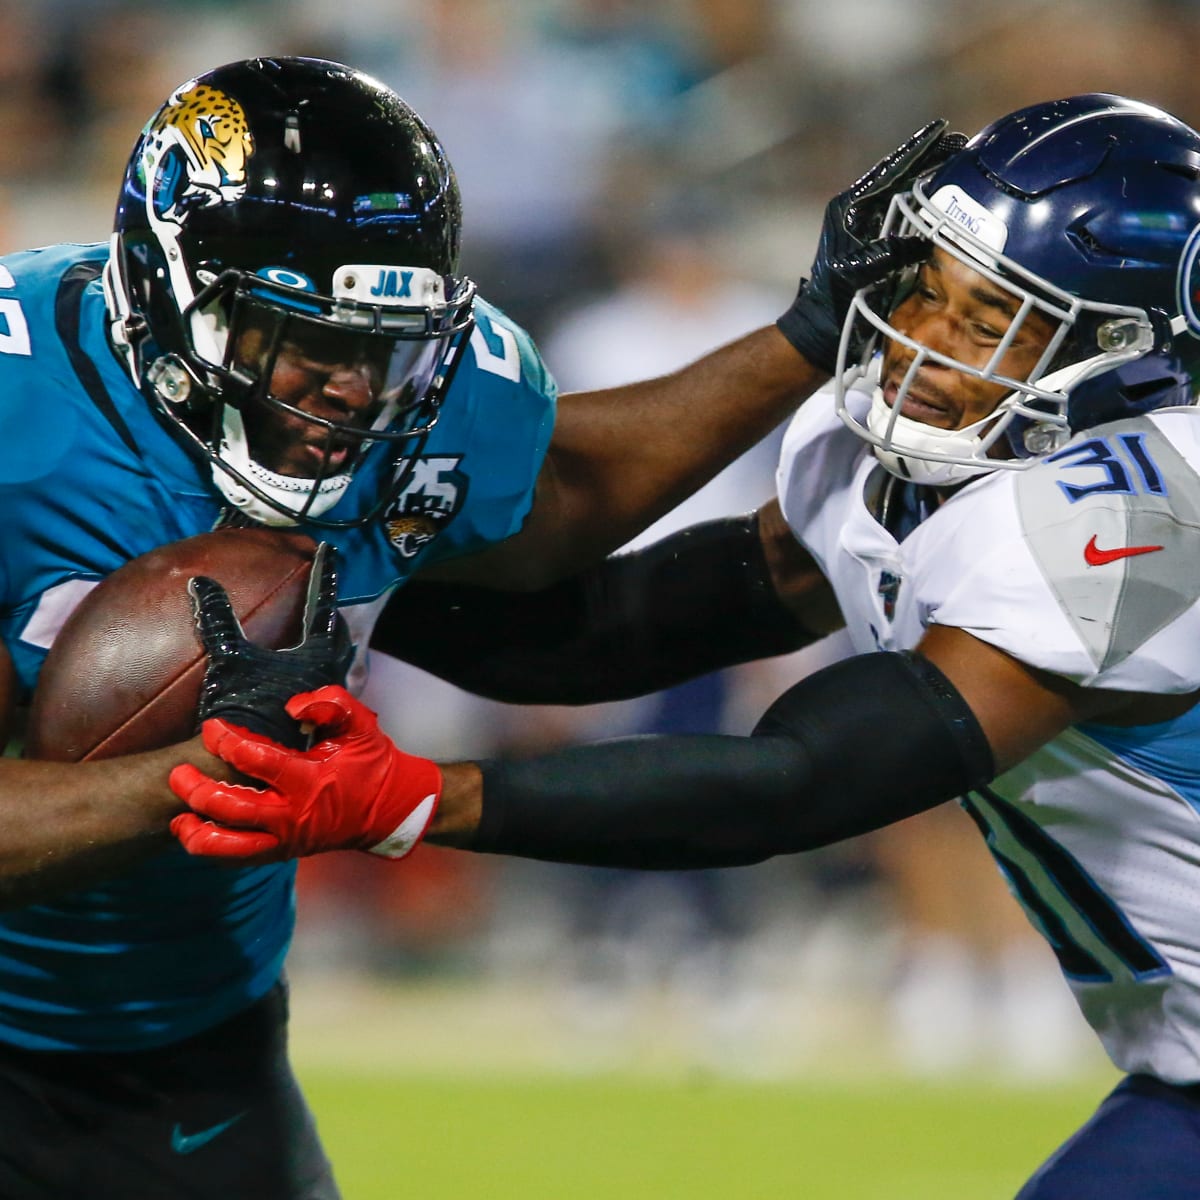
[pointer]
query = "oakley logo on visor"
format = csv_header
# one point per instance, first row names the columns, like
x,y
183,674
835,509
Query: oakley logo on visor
x,y
289,279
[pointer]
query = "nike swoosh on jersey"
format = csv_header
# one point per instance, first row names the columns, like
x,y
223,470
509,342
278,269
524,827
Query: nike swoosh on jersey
x,y
189,1143
1095,557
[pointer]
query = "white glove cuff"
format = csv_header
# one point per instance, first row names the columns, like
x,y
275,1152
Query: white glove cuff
x,y
409,832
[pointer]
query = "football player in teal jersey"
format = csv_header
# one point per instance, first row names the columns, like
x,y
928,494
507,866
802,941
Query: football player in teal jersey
x,y
278,334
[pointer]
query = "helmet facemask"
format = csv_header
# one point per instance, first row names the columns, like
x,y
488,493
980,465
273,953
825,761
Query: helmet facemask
x,y
258,347
1079,339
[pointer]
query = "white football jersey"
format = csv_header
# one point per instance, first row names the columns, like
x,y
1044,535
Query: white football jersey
x,y
1086,565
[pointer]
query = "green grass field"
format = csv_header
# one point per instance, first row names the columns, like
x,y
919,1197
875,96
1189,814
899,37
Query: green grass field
x,y
632,1138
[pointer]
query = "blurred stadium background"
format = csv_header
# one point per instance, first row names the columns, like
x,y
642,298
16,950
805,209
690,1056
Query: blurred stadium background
x,y
641,181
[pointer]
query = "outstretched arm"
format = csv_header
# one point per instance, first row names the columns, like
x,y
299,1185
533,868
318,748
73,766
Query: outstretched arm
x,y
849,749
707,597
622,457
854,747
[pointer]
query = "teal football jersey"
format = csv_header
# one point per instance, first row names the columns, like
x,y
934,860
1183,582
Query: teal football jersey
x,y
90,478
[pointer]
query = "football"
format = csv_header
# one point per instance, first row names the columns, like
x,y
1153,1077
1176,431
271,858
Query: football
x,y
124,673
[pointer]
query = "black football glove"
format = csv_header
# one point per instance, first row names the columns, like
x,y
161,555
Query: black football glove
x,y
248,684
850,255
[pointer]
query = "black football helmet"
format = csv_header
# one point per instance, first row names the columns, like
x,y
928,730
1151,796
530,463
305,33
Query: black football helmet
x,y
305,202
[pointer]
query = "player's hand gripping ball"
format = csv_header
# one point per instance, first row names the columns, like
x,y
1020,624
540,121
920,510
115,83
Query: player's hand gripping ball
x,y
125,671
249,685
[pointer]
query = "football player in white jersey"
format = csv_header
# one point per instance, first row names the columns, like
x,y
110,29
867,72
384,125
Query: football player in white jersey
x,y
999,497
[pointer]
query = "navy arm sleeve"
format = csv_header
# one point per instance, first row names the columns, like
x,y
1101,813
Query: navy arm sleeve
x,y
697,601
851,748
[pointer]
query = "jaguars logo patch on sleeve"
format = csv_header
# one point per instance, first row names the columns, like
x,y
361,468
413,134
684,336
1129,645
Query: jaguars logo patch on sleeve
x,y
428,503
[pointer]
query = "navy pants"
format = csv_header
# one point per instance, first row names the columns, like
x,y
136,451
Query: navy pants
x,y
1142,1144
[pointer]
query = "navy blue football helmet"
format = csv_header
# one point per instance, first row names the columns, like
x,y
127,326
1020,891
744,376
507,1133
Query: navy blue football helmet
x,y
305,202
1083,211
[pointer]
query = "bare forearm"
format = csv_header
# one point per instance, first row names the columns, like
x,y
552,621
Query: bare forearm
x,y
461,806
622,457
64,826
688,425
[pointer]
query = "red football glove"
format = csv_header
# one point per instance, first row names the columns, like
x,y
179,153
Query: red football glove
x,y
353,790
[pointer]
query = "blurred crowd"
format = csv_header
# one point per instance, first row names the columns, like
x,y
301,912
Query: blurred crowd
x,y
641,182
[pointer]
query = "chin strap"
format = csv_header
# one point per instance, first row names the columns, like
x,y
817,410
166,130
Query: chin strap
x,y
290,492
913,440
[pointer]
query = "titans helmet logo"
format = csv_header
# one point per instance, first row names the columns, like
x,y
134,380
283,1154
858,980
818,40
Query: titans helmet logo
x,y
1187,283
194,153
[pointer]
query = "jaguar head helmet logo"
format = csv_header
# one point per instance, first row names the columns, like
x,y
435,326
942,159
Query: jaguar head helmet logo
x,y
194,153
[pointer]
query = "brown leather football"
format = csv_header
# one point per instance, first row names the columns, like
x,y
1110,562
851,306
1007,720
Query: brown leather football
x,y
124,672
